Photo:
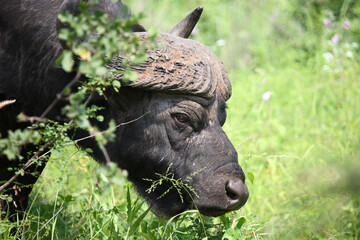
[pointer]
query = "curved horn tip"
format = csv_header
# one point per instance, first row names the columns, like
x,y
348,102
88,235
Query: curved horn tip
x,y
199,9
186,25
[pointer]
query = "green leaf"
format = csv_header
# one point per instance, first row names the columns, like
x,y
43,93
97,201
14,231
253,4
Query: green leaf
x,y
66,91
100,118
130,76
231,234
85,68
116,84
128,199
67,61
136,209
251,177
64,34
136,224
68,198
89,150
240,223
101,70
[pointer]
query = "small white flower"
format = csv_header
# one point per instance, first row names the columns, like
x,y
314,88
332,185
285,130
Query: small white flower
x,y
349,54
266,96
326,68
220,42
195,32
328,57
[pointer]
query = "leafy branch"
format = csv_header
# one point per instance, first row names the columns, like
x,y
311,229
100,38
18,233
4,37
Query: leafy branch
x,y
92,41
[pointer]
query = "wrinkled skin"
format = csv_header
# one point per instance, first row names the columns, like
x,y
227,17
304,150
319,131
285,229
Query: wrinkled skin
x,y
197,145
180,98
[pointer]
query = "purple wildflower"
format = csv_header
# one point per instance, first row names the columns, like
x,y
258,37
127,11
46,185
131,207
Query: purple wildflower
x,y
335,39
346,25
327,22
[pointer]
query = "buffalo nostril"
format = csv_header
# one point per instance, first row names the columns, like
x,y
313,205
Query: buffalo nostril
x,y
234,190
237,192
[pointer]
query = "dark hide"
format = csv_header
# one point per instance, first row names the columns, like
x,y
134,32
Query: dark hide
x,y
178,129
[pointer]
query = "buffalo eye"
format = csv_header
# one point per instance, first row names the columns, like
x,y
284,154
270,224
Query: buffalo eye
x,y
222,119
222,114
181,120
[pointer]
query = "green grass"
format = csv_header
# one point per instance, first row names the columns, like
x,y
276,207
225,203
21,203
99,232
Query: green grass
x,y
302,145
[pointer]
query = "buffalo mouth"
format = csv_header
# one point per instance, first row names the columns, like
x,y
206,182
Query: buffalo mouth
x,y
216,211
212,212
235,196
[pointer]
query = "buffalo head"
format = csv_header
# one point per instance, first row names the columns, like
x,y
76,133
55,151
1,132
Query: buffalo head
x,y
179,103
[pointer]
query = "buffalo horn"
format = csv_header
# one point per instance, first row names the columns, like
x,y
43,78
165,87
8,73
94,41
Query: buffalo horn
x,y
6,102
186,25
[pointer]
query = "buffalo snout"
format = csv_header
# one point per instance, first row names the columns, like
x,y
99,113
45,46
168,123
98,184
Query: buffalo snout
x,y
221,193
237,192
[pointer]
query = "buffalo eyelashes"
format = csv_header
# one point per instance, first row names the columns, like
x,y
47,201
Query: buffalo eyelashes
x,y
181,120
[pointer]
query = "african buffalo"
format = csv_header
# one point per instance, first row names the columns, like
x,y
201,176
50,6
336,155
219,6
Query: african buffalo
x,y
180,95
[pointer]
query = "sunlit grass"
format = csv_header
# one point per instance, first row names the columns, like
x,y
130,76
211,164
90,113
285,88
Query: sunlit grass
x,y
300,145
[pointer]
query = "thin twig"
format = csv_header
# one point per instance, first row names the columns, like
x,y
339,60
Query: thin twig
x,y
110,129
96,179
28,164
106,154
88,99
77,228
25,118
102,148
248,138
60,95
48,222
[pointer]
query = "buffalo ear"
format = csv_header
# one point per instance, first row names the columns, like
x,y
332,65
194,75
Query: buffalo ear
x,y
186,25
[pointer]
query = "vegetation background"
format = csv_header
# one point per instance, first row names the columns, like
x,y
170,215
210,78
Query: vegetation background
x,y
294,118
